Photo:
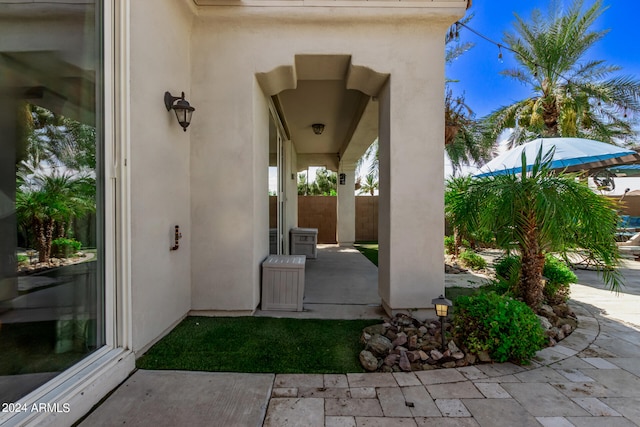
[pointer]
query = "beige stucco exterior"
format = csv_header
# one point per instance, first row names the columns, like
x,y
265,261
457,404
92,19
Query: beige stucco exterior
x,y
366,69
212,180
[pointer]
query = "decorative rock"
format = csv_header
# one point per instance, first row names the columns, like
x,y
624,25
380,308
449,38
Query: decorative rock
x,y
436,355
484,356
404,344
569,321
544,322
368,361
413,342
403,320
401,339
547,309
379,345
413,356
404,363
375,329
391,359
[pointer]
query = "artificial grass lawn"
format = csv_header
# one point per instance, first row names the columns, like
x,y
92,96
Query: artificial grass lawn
x,y
259,344
369,250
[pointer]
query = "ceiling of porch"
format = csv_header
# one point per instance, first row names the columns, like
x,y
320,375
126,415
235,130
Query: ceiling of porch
x,y
326,89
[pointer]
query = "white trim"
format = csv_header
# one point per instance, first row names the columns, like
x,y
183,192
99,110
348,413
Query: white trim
x,y
80,387
121,16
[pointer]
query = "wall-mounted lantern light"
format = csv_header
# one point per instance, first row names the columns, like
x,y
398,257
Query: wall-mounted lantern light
x,y
181,107
442,309
318,128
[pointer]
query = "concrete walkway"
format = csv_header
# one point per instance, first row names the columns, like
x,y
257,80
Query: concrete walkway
x,y
591,379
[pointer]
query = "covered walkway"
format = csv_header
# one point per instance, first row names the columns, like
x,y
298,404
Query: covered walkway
x,y
340,284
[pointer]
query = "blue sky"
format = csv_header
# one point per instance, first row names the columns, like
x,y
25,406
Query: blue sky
x,y
478,69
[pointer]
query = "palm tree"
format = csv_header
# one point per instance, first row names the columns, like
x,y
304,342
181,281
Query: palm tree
x,y
541,212
572,97
463,139
47,202
370,185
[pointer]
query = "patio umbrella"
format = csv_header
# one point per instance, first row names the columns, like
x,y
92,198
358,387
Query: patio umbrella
x,y
572,154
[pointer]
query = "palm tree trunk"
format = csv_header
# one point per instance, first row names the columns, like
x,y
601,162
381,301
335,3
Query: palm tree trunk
x,y
41,241
531,285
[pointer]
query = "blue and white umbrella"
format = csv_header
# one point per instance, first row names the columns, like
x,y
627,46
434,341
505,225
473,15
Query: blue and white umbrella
x,y
571,154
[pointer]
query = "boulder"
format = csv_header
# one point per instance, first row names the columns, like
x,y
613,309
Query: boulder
x,y
379,345
368,361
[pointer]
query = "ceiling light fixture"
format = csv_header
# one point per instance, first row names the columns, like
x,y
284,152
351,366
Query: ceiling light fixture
x,y
318,128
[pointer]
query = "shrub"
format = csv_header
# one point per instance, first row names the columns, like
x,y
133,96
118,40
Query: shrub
x,y
23,259
506,328
507,267
64,248
559,276
450,244
472,260
557,272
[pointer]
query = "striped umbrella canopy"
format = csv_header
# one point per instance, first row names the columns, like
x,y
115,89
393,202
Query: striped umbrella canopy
x,y
571,155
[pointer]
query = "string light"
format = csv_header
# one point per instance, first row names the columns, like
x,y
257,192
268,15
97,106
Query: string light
x,y
459,24
501,46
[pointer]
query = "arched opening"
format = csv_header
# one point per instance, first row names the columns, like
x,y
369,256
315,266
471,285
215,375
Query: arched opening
x,y
325,110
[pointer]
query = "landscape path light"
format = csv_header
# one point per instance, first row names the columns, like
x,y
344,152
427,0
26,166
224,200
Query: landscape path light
x,y
442,309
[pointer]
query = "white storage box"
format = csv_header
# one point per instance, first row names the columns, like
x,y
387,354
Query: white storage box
x,y
304,241
283,282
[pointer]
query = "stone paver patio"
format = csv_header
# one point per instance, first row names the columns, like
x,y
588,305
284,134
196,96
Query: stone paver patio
x,y
592,378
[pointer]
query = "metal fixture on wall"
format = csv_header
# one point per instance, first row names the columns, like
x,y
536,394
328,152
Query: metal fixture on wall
x,y
176,239
181,107
318,128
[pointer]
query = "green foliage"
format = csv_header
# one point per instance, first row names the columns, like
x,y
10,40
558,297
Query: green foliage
x,y
370,185
449,244
508,329
540,211
64,248
559,277
22,259
505,267
326,184
472,260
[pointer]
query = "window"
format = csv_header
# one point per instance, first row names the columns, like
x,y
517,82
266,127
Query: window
x,y
51,190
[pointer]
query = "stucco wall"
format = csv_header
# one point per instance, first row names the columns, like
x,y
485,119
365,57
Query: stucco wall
x,y
159,164
232,44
